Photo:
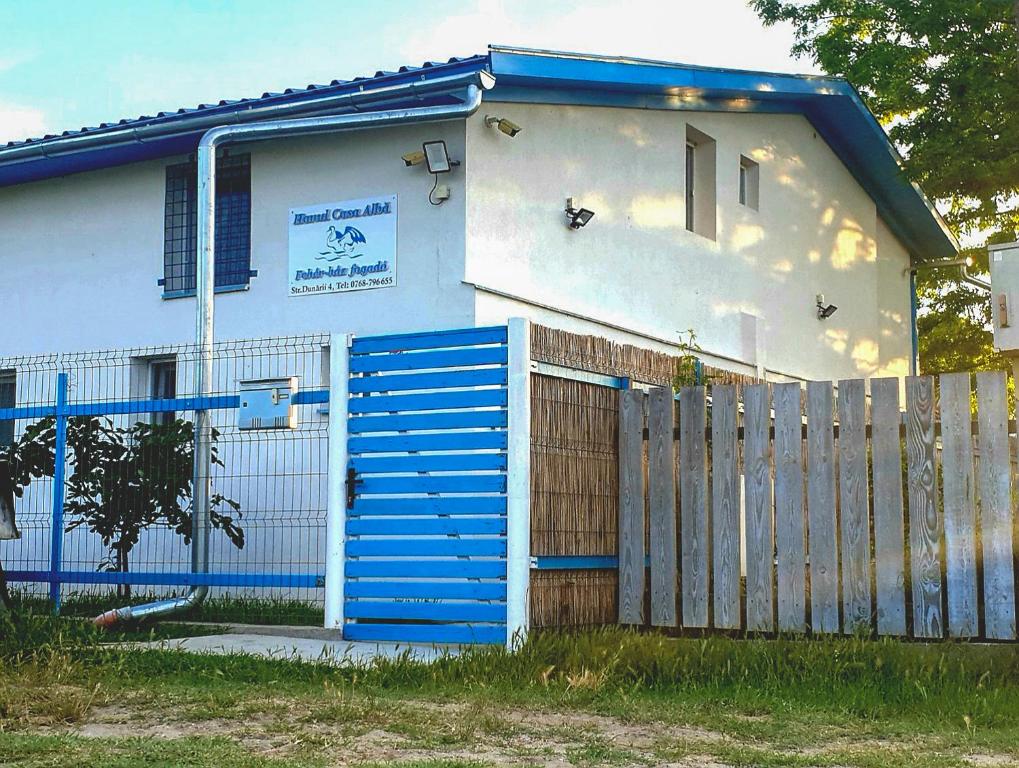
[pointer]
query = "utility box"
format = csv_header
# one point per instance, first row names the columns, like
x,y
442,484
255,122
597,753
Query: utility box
x,y
1004,261
268,404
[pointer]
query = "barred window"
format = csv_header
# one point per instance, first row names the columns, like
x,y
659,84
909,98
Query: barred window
x,y
233,225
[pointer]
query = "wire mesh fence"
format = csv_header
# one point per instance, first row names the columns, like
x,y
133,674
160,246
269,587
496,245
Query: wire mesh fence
x,y
117,528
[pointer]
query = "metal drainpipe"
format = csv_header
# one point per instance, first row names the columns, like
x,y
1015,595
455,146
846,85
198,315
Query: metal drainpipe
x,y
914,336
213,139
976,282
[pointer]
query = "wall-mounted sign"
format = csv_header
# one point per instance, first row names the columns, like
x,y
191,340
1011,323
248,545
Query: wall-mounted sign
x,y
346,246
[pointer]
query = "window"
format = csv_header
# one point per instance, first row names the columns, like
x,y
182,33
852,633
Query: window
x,y
700,183
8,399
163,386
749,182
233,226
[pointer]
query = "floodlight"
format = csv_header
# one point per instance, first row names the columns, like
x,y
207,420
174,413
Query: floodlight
x,y
436,156
824,311
578,217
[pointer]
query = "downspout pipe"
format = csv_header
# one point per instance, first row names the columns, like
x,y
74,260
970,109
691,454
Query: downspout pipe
x,y
914,334
963,264
210,142
972,280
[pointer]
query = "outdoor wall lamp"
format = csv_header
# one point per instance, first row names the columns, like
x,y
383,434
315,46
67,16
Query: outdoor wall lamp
x,y
508,127
435,156
578,217
824,311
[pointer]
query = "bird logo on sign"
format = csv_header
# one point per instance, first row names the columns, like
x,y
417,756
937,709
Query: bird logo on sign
x,y
340,244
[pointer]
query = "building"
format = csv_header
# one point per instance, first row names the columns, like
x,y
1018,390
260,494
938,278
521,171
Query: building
x,y
724,202
614,197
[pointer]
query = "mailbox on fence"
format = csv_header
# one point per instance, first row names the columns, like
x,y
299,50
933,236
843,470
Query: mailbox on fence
x,y
267,404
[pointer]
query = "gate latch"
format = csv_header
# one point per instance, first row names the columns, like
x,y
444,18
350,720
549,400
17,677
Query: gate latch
x,y
352,482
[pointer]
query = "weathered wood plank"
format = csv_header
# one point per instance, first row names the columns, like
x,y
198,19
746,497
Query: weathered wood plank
x,y
996,506
631,507
889,536
959,504
789,521
925,523
694,505
824,595
725,498
759,530
662,497
854,503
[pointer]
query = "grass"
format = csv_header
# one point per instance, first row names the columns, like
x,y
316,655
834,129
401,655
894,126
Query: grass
x,y
609,697
224,609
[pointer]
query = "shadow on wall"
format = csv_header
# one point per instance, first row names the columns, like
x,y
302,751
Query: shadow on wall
x,y
833,251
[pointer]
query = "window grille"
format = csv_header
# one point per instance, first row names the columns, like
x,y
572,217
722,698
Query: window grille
x,y
233,225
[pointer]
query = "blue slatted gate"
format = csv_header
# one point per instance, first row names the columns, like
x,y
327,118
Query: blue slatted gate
x,y
425,549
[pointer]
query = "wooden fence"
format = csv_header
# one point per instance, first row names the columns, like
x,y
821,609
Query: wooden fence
x,y
779,508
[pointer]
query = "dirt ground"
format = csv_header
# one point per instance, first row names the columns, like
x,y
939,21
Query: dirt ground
x,y
353,732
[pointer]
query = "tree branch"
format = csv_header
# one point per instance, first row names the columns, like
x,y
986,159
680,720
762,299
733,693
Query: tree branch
x,y
1015,10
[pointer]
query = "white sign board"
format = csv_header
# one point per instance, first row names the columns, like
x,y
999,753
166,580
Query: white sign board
x,y
345,246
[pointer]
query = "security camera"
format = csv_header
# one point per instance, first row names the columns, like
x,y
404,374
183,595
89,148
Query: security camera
x,y
508,127
414,158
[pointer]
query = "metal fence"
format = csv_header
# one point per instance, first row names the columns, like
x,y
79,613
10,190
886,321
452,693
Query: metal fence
x,y
121,419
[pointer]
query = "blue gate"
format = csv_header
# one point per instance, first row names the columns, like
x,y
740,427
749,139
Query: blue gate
x,y
426,488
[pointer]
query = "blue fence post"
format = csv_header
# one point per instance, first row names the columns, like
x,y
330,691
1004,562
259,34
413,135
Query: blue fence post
x,y
59,460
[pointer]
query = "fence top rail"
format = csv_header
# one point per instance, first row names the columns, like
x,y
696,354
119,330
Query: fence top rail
x,y
401,342
184,350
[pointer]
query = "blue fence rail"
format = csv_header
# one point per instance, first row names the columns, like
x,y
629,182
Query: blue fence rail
x,y
62,411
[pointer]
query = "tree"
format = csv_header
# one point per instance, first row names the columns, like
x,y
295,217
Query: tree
x,y
126,480
28,458
940,75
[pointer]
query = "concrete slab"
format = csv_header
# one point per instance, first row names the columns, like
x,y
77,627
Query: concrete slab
x,y
300,648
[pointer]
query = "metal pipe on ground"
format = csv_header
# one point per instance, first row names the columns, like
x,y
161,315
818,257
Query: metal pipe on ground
x,y
204,336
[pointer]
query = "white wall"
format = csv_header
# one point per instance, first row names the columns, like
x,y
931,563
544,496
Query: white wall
x,y
80,255
635,266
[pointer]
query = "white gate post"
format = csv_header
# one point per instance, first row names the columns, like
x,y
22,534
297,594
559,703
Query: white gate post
x,y
336,515
518,482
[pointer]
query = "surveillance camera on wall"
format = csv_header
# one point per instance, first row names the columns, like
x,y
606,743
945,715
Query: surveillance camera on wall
x,y
414,158
508,127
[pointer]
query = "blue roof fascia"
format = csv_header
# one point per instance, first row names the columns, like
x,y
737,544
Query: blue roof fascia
x,y
832,105
186,141
537,69
636,100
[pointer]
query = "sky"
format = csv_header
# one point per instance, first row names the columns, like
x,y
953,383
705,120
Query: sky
x,y
64,65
